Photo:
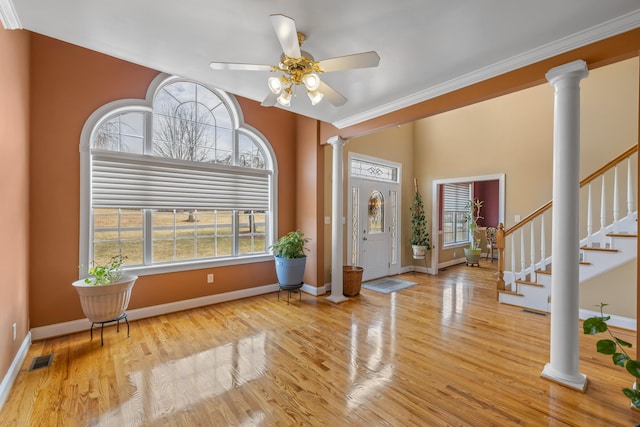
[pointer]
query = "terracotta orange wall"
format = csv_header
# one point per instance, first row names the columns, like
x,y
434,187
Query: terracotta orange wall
x,y
68,83
14,193
310,196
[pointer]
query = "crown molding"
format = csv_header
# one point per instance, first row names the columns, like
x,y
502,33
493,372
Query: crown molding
x,y
8,16
599,32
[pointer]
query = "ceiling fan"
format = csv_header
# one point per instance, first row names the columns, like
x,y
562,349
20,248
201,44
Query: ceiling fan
x,y
299,67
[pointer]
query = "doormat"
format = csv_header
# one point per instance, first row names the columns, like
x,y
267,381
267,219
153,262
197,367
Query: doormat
x,y
387,285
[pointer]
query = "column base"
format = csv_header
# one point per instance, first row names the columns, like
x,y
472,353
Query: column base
x,y
578,382
337,298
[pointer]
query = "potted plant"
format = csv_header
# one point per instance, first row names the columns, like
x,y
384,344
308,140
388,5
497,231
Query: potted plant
x,y
472,253
290,258
615,347
420,241
104,295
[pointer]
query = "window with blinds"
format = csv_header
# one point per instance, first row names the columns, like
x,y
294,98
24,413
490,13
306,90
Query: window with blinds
x,y
454,202
180,180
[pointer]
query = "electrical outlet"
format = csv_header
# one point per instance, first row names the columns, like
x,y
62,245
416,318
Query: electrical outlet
x,y
15,331
210,278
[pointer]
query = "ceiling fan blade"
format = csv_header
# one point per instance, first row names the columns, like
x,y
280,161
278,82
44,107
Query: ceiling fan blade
x,y
358,60
332,95
240,67
285,28
270,100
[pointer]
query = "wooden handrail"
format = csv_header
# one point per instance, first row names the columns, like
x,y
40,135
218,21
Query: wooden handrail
x,y
501,233
628,152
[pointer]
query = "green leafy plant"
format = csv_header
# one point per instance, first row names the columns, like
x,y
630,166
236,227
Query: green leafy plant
x,y
616,348
291,245
473,215
105,274
419,233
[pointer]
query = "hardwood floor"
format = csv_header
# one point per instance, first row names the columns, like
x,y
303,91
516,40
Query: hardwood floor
x,y
443,352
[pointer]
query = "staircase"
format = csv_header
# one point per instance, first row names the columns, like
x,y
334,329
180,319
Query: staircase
x,y
524,266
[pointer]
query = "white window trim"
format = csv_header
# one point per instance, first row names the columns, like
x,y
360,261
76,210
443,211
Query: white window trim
x,y
145,105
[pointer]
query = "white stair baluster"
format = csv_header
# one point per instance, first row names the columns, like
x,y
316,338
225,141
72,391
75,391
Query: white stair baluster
x,y
589,218
629,194
522,260
513,254
603,214
615,199
543,256
533,251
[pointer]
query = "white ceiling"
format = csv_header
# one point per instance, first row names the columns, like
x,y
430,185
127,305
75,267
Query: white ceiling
x,y
427,47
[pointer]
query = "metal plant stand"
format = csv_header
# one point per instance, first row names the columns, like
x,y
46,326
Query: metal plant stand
x,y
290,289
117,320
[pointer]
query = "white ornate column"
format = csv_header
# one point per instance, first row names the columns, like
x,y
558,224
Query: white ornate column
x,y
565,241
337,209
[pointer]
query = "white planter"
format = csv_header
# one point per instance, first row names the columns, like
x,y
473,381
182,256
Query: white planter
x,y
105,302
419,252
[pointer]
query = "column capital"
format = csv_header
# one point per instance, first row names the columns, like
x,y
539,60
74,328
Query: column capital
x,y
336,141
573,70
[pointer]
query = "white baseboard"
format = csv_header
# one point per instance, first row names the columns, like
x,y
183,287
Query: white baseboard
x,y
79,325
617,321
12,373
452,262
316,291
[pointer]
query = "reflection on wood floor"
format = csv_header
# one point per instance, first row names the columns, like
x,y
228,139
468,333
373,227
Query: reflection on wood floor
x,y
439,353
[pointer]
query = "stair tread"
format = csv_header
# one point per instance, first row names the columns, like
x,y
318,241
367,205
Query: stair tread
x,y
529,283
635,235
585,248
510,293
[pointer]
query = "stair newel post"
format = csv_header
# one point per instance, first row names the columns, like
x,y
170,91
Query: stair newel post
x,y
500,247
543,241
629,191
615,199
589,217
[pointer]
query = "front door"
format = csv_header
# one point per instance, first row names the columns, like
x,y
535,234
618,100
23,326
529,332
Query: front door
x,y
375,233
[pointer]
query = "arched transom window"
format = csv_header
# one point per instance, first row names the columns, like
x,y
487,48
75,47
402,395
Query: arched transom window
x,y
175,182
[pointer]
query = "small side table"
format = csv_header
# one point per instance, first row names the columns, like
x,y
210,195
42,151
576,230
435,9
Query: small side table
x,y
117,320
290,289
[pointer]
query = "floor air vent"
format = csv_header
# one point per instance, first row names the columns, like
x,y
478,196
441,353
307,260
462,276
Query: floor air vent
x,y
41,362
535,312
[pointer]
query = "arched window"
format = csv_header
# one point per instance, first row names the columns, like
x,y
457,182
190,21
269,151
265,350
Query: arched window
x,y
175,182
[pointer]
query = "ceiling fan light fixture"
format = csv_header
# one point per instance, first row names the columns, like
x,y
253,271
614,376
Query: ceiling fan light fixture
x,y
311,81
275,85
285,98
315,96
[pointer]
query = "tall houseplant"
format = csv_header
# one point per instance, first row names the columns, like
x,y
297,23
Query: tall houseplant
x,y
290,258
472,253
615,347
420,241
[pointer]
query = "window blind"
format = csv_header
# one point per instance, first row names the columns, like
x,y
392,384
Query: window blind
x,y
119,180
456,197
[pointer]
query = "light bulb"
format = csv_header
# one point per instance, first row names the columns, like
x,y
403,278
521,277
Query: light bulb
x,y
315,96
275,85
285,98
311,81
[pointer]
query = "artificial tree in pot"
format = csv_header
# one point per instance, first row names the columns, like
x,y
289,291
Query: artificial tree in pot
x,y
473,252
420,241
290,258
